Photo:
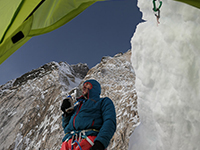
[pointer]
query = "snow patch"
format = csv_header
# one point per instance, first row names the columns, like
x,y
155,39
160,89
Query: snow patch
x,y
18,141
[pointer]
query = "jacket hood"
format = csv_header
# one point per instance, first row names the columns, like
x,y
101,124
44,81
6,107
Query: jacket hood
x,y
95,91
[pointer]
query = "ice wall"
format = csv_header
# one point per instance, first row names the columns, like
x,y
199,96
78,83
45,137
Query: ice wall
x,y
166,59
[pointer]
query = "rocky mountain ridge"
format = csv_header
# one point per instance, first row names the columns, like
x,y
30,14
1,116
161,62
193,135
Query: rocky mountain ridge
x,y
30,105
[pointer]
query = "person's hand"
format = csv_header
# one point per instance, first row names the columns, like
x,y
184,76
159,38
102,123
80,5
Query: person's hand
x,y
66,104
97,146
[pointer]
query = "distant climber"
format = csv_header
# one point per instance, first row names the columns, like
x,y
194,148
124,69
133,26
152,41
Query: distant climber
x,y
157,9
158,16
91,122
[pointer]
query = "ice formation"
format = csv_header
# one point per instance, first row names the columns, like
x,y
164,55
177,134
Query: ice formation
x,y
166,59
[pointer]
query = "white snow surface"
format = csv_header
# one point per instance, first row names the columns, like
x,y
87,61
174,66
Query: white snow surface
x,y
65,72
166,59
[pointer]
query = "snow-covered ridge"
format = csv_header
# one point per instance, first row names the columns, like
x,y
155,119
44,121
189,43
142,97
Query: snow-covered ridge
x,y
78,70
36,73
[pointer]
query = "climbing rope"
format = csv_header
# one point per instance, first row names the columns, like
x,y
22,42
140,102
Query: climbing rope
x,y
78,136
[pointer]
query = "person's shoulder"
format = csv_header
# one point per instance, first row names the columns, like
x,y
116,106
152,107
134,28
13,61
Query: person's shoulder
x,y
106,100
107,104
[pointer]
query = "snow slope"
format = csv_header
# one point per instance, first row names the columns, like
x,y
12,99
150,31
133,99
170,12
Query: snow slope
x,y
166,59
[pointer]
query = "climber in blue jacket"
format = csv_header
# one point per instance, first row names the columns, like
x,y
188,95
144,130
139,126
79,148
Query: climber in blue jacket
x,y
91,123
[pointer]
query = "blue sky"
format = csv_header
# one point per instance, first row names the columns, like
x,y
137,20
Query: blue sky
x,y
103,29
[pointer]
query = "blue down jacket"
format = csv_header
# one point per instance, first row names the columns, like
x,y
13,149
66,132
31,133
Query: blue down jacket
x,y
94,113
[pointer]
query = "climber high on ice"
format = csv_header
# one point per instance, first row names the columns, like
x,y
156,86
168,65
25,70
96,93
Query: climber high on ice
x,y
157,9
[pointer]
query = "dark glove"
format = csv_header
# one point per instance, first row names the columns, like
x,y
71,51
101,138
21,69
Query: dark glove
x,y
65,104
97,146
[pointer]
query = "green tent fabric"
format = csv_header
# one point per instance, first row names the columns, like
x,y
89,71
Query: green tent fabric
x,y
23,19
195,3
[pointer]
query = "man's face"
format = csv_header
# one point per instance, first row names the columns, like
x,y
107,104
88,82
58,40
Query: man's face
x,y
86,87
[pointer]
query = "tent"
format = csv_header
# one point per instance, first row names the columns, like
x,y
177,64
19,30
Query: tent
x,y
23,19
195,3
